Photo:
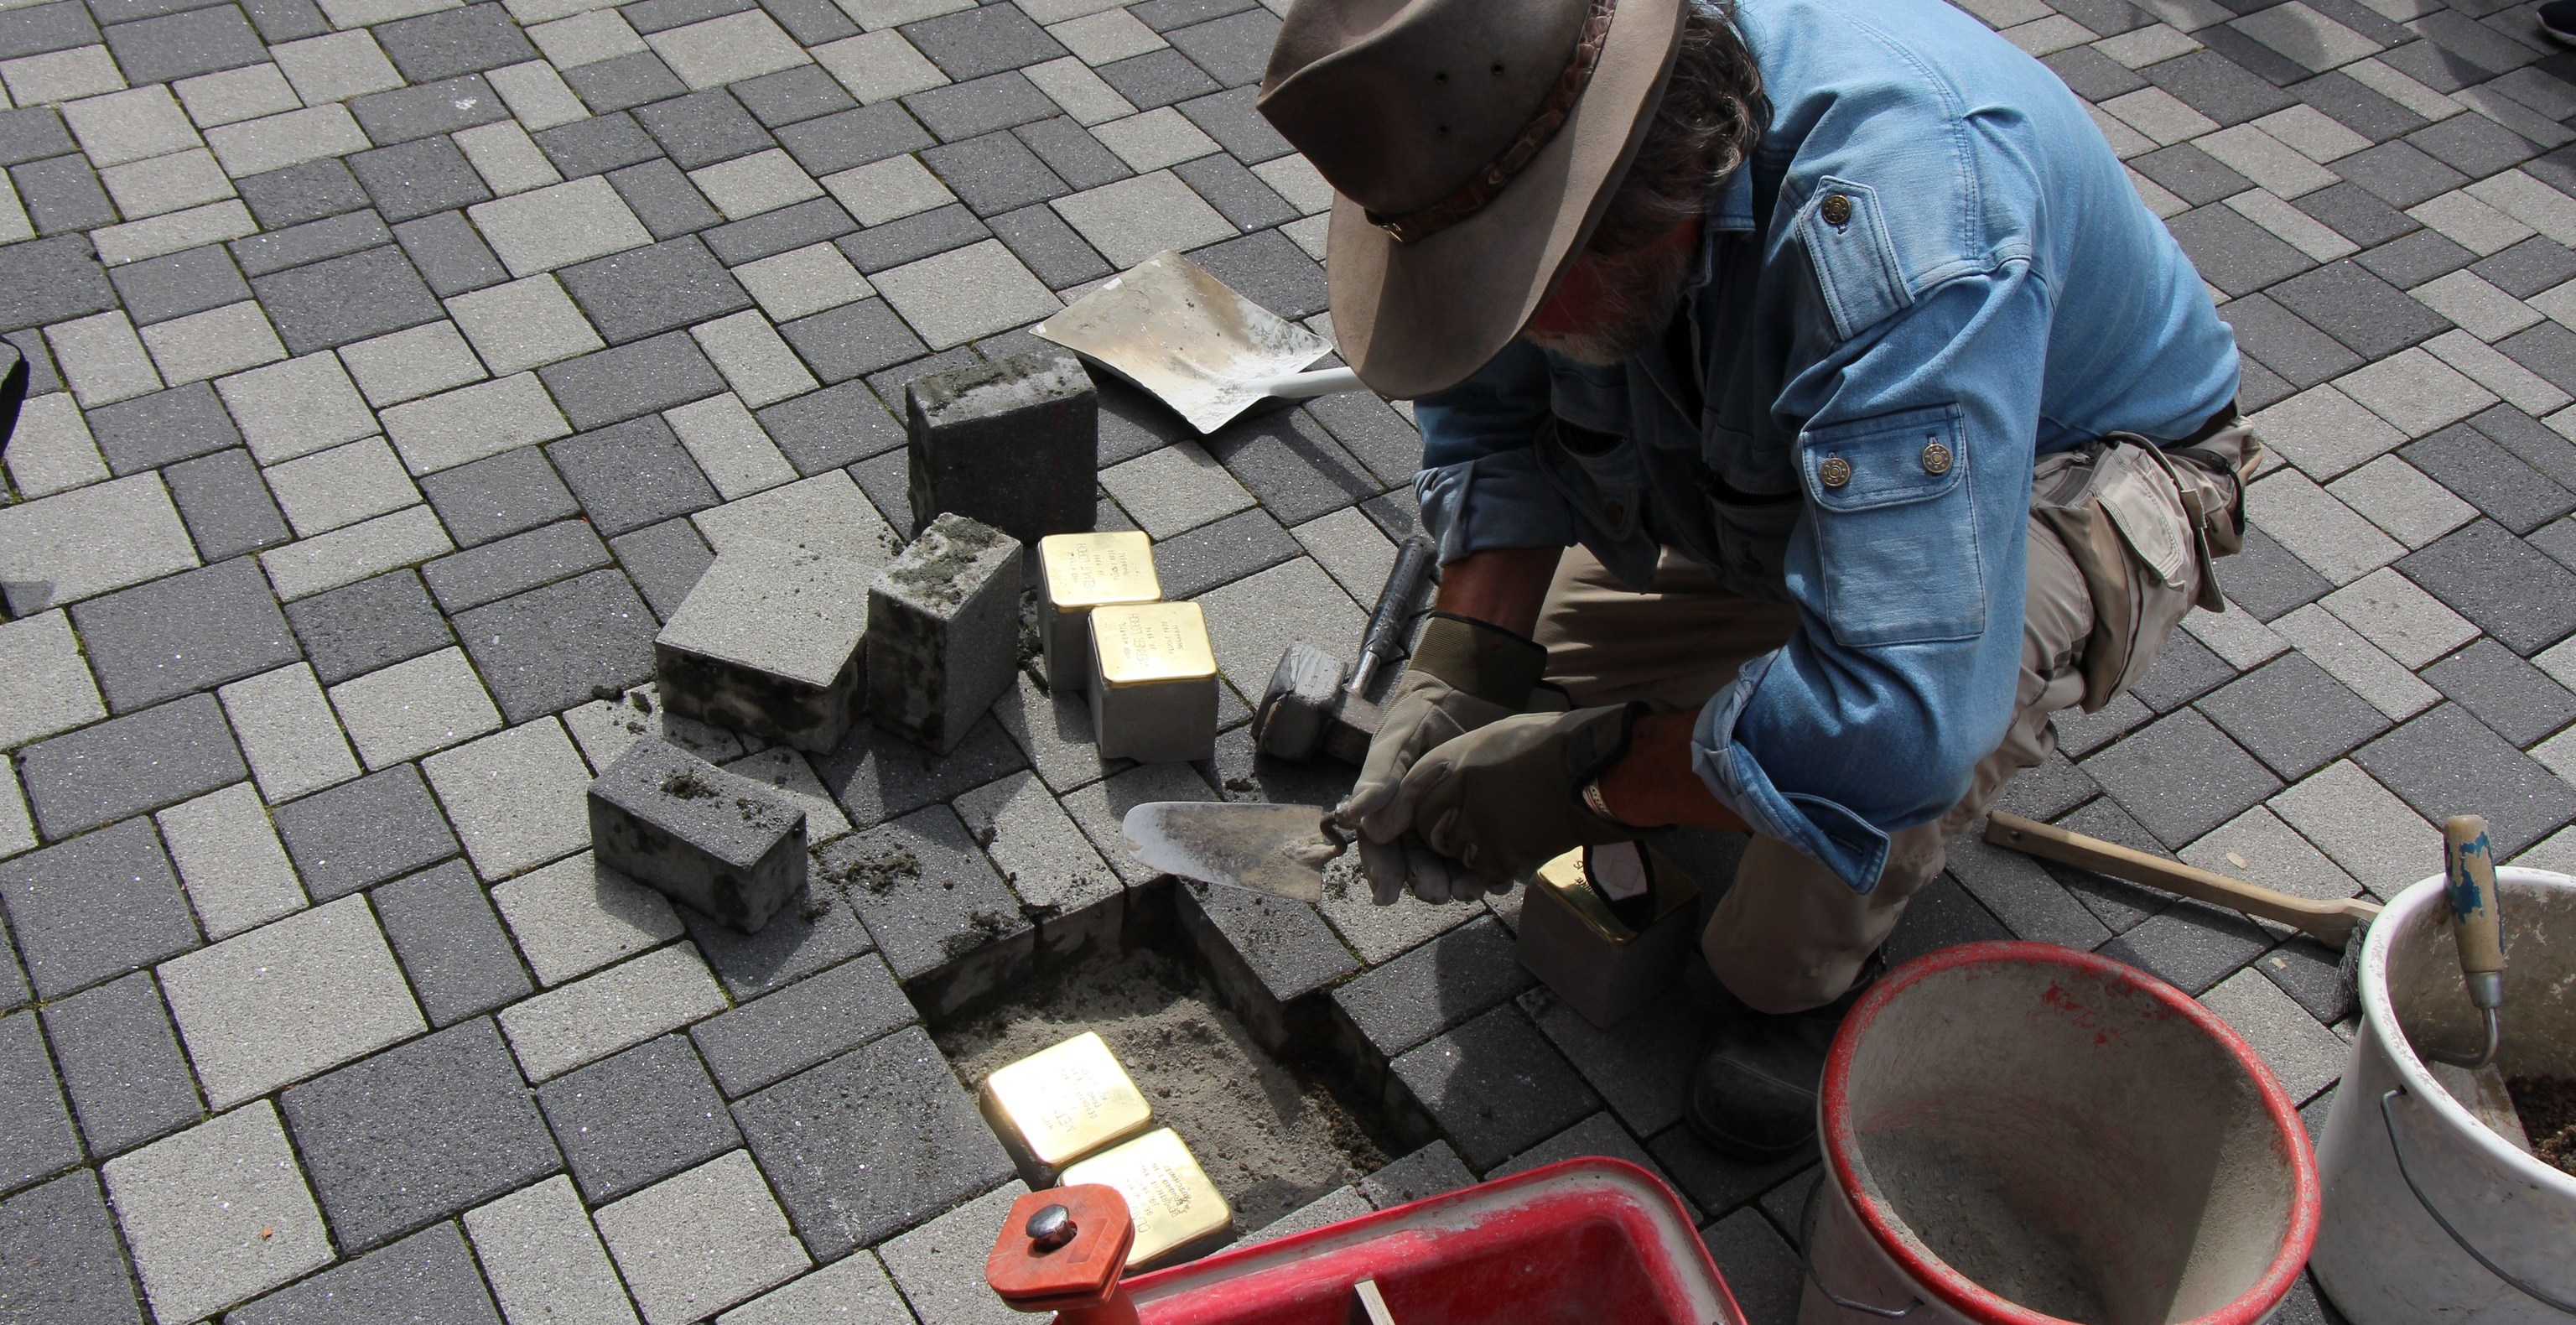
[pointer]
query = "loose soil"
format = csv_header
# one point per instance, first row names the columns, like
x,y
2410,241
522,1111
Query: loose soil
x,y
1269,1141
2548,1109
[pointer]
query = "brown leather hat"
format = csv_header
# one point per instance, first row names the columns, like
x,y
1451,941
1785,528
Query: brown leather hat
x,y
1471,146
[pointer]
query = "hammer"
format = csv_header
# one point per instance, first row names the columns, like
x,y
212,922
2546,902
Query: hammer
x,y
1309,708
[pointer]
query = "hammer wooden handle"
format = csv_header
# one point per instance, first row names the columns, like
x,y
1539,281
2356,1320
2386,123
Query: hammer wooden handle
x,y
2333,923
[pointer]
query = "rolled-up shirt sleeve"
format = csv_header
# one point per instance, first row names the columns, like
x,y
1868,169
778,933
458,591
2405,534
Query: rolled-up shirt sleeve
x,y
1907,566
1480,486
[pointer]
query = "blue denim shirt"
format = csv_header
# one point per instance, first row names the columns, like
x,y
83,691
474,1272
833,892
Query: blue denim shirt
x,y
1990,283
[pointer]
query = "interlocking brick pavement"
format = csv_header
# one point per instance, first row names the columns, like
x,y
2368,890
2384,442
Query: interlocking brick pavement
x,y
399,364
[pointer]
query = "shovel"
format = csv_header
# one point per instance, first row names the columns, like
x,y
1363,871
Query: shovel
x,y
1171,329
1280,850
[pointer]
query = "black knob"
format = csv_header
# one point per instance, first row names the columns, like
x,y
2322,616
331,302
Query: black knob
x,y
1051,1228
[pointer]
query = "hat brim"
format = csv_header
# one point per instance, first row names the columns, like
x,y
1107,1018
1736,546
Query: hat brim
x,y
1417,318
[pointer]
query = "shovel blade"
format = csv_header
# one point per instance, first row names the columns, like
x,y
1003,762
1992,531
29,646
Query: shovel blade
x,y
1276,849
1169,327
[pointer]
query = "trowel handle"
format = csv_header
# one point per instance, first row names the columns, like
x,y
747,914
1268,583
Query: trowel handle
x,y
1306,386
1386,627
2468,879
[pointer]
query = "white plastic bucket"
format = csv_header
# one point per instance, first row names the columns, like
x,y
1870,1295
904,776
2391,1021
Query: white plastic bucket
x,y
2021,1134
2382,1253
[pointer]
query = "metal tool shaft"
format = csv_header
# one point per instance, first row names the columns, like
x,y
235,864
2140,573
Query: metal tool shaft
x,y
1387,625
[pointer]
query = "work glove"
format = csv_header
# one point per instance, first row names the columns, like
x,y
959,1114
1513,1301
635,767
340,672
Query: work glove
x,y
1464,674
1507,798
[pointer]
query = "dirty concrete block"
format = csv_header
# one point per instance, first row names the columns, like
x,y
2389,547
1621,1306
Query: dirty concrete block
x,y
1012,443
768,643
943,631
720,842
1265,955
948,926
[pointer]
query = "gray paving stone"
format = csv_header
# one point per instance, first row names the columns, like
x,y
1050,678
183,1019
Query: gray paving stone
x,y
293,195
929,897
645,291
871,1142
631,1120
58,1256
2181,777
313,241
419,178
1434,987
2189,945
780,1034
663,199
286,1000
544,1259
2491,478
1266,952
2293,716
418,1133
450,944
1433,1170
702,1241
548,649
427,1276
95,907
228,510
459,41
366,626
631,380
451,257
156,429
183,634
1495,1086
514,565
158,289
36,1136
492,498
120,1060
62,194
665,561
431,108
216,1214
2506,693
2510,590
141,761
2445,762
362,833
333,303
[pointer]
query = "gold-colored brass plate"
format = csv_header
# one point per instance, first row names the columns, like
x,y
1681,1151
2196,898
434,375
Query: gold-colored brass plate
x,y
1168,1194
1096,570
1565,879
1149,642
1064,1102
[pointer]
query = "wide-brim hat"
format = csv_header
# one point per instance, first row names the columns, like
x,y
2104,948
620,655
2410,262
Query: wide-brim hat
x,y
1472,145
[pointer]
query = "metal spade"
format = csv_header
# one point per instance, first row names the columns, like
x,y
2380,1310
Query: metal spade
x,y
1276,849
1170,328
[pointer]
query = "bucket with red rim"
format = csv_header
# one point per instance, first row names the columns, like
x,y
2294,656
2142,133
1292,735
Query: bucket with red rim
x,y
2020,1134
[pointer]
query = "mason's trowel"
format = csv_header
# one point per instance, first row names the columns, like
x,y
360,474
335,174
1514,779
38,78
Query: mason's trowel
x,y
1276,849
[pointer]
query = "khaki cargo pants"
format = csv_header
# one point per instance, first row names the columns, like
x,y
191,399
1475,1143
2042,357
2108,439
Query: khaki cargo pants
x,y
2121,538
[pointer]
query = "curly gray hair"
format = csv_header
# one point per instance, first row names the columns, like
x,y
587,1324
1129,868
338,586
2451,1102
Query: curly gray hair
x,y
1712,115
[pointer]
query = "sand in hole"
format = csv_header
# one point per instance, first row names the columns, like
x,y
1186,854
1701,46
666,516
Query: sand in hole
x,y
1269,1141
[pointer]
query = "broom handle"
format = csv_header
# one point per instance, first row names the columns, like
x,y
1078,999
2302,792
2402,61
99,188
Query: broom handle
x,y
2332,923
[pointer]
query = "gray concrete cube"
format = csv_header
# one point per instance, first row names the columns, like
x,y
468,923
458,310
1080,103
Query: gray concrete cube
x,y
1014,443
768,643
943,631
729,846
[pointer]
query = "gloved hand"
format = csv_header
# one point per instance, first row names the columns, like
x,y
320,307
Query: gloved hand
x,y
1464,674
1507,798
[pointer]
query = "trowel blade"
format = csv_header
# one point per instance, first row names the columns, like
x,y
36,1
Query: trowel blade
x,y
1276,849
1170,327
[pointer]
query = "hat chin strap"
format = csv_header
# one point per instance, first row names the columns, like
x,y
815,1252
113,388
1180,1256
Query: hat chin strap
x,y
1489,181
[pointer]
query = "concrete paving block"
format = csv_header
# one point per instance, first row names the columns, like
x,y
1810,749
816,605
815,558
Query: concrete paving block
x,y
853,1290
287,733
1041,852
2305,1055
826,513
943,631
1331,1208
940,1265
216,1214
790,776
605,727
399,713
44,686
545,1261
692,1245
780,1034
121,1065
718,841
236,874
289,999
87,541
600,1014
1014,444
768,642
1434,1170
577,915
515,797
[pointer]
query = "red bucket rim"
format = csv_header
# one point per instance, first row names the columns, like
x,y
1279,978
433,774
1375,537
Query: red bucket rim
x,y
1964,1295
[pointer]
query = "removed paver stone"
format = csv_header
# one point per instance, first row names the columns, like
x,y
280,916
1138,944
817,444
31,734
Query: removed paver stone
x,y
723,843
1014,443
943,631
768,643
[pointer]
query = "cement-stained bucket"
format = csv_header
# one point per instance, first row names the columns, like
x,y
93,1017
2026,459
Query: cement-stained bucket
x,y
2430,1215
2017,1134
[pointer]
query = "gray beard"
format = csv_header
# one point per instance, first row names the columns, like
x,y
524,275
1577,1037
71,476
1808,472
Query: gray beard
x,y
1640,293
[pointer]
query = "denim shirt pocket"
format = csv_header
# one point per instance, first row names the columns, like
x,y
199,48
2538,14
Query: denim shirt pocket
x,y
1896,528
1603,478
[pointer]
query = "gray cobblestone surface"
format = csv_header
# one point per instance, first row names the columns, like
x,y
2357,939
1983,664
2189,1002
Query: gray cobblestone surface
x,y
400,364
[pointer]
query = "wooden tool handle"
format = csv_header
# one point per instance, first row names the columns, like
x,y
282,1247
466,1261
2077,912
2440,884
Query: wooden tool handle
x,y
2468,879
2332,923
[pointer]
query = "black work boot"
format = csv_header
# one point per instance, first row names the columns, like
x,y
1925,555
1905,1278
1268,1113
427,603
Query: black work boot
x,y
1753,1095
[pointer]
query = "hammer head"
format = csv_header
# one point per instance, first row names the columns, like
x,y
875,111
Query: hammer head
x,y
1306,711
